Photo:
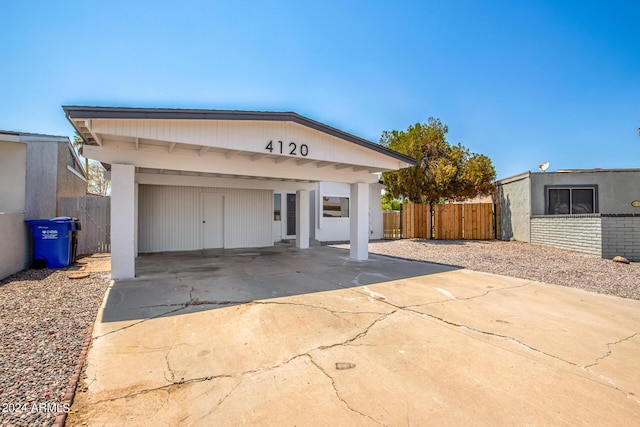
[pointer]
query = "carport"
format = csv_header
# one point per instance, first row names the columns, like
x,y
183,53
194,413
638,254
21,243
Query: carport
x,y
184,179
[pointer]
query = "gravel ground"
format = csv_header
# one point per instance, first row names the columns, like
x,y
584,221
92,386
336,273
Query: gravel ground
x,y
524,260
44,317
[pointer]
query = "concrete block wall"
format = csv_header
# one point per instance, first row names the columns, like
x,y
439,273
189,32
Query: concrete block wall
x,y
582,233
621,236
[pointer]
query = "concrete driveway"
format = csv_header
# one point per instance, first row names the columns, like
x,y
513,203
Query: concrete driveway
x,y
278,336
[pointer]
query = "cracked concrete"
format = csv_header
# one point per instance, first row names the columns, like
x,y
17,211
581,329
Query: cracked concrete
x,y
427,345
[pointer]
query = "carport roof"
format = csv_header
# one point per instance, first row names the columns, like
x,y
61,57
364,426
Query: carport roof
x,y
75,112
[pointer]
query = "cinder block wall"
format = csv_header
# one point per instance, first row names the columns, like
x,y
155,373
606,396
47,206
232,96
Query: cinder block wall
x,y
621,236
582,233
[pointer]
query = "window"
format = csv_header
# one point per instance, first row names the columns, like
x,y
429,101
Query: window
x,y
577,200
277,203
335,207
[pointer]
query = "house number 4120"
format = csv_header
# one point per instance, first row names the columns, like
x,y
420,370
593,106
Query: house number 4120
x,y
292,149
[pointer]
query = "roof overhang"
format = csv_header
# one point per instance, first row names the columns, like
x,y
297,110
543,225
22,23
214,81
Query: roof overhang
x,y
230,143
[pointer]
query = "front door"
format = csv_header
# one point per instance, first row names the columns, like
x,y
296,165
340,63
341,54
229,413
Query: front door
x,y
212,221
291,214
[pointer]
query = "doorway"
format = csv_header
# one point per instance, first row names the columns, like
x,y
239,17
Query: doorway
x,y
212,221
291,214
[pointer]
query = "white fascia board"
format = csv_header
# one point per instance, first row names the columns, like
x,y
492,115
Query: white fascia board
x,y
189,160
204,181
78,174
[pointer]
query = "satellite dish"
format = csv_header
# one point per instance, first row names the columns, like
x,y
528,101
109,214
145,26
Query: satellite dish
x,y
544,166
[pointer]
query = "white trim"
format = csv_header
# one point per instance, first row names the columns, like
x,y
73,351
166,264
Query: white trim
x,y
77,173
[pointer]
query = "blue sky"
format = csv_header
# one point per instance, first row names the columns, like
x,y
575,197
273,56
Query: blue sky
x,y
520,81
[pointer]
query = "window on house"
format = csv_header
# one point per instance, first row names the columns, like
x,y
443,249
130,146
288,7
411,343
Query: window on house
x,y
579,200
335,207
277,203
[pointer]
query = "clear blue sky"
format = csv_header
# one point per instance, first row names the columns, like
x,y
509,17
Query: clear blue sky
x,y
520,81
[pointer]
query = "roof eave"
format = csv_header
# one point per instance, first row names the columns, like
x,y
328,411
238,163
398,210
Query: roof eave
x,y
83,112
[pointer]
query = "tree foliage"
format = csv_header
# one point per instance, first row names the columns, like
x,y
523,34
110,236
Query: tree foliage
x,y
443,171
97,184
389,203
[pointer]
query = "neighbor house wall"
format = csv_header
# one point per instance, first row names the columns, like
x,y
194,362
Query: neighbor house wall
x,y
14,248
13,167
70,181
514,197
580,233
13,231
621,236
616,189
41,181
170,217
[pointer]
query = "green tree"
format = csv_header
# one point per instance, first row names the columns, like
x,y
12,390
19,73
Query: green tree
x,y
389,203
443,171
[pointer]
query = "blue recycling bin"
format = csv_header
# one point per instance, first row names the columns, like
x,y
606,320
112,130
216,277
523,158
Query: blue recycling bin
x,y
54,241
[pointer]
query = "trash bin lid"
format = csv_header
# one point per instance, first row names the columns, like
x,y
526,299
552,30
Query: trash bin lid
x,y
62,219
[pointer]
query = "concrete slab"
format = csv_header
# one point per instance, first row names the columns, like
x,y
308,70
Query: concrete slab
x,y
220,338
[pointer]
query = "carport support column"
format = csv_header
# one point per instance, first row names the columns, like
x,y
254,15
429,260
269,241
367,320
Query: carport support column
x,y
302,219
359,221
123,213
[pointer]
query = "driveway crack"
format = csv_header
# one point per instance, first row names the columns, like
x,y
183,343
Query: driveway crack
x,y
335,389
468,298
610,350
493,334
181,307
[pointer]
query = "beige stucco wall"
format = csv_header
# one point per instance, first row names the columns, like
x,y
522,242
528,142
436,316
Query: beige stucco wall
x,y
13,166
69,184
13,244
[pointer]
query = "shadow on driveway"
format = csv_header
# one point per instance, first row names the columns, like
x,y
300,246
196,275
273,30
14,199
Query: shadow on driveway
x,y
185,282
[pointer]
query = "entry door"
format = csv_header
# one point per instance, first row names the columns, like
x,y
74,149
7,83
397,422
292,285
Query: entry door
x,y
212,221
291,214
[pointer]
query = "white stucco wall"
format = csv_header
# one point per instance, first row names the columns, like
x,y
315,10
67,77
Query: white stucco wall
x,y
338,229
331,229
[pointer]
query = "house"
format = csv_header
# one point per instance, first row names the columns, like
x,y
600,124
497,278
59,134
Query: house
x,y
329,213
184,179
596,211
35,172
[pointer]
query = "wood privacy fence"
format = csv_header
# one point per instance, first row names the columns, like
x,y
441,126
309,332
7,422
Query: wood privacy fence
x,y
470,221
94,213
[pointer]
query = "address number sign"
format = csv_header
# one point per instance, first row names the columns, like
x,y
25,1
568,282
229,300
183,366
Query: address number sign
x,y
292,149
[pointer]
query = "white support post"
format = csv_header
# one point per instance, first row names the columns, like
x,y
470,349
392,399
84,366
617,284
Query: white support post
x,y
123,230
359,221
302,219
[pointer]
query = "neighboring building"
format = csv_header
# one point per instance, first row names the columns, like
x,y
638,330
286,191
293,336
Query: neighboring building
x,y
199,179
596,211
35,171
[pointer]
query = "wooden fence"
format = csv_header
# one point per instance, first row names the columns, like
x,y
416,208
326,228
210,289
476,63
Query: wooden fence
x,y
391,225
94,213
416,221
469,221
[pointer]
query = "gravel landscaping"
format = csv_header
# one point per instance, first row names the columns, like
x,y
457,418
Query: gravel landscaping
x,y
523,260
44,319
